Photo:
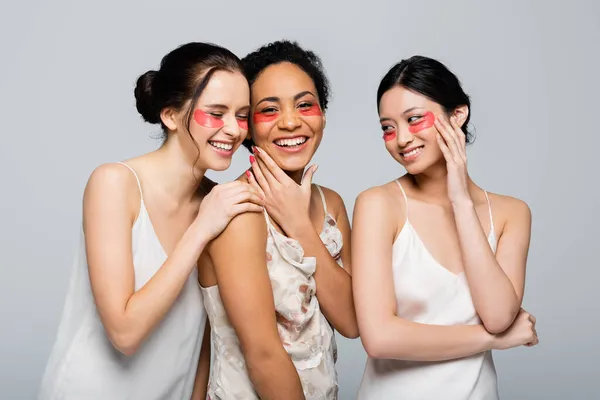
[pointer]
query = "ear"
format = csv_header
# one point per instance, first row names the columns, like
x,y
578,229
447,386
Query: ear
x,y
169,118
461,113
324,121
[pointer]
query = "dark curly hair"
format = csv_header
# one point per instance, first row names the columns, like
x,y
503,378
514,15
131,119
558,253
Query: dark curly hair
x,y
433,80
287,51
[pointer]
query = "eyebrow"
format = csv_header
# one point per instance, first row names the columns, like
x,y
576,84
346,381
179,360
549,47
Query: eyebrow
x,y
277,99
224,107
403,113
411,109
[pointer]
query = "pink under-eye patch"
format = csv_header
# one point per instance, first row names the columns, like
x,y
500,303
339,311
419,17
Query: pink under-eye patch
x,y
312,111
389,135
207,120
426,122
243,123
259,117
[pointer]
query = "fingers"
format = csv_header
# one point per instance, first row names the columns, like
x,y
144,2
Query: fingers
x,y
444,148
308,176
263,175
460,135
449,126
254,183
534,340
532,319
449,137
247,196
233,191
245,207
272,167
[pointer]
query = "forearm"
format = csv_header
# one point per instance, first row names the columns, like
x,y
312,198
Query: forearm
x,y
334,284
400,339
493,293
148,305
273,374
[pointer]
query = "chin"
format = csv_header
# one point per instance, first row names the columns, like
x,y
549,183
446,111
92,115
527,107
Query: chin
x,y
218,165
292,164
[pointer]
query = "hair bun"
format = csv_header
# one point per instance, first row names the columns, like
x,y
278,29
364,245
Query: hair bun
x,y
144,98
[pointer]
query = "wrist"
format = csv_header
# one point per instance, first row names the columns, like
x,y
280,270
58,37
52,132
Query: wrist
x,y
492,342
464,204
300,228
199,234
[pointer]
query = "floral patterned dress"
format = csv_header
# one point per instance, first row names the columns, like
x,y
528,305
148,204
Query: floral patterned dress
x,y
305,333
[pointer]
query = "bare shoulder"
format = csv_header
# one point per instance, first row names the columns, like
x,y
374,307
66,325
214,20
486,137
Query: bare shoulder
x,y
381,203
509,207
378,213
335,203
379,196
111,179
247,229
111,191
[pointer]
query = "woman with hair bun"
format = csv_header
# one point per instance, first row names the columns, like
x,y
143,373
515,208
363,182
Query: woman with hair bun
x,y
133,323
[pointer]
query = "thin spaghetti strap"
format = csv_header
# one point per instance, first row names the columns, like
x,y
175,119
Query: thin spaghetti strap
x,y
266,217
405,197
322,197
136,178
487,198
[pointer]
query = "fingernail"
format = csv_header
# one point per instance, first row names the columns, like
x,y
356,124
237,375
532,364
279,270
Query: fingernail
x,y
254,149
252,159
248,173
258,149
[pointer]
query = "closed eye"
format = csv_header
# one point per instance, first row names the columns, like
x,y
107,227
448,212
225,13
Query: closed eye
x,y
414,118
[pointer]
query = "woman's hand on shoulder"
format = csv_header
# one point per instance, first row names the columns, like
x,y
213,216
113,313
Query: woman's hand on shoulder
x,y
223,203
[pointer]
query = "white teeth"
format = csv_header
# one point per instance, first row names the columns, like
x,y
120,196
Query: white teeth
x,y
413,152
221,145
290,142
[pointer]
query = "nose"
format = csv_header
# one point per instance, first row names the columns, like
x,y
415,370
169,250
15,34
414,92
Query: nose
x,y
231,127
404,137
289,120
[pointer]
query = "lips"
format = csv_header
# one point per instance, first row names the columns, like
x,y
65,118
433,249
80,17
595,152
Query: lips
x,y
412,153
291,142
226,146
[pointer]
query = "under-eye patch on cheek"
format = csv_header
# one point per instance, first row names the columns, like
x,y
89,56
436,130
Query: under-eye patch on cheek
x,y
389,135
259,118
243,123
426,122
207,120
312,111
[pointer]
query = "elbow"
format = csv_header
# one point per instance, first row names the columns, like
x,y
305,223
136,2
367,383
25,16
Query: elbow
x,y
260,354
498,324
373,349
350,331
373,346
126,343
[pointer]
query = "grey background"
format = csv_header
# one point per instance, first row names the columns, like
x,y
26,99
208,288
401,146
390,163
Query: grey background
x,y
66,97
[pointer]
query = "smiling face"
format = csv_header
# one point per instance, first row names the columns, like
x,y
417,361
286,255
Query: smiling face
x,y
287,121
407,120
218,124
